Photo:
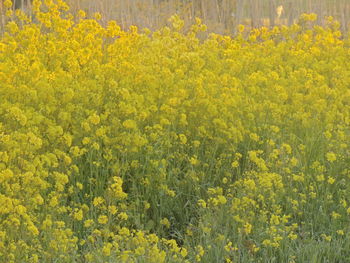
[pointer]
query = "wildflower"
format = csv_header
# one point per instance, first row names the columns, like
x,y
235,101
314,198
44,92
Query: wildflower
x,y
98,201
200,253
335,215
102,219
106,249
165,222
88,223
234,164
124,231
79,185
112,209
222,199
183,139
130,124
331,156
78,215
247,228
331,180
340,232
123,216
81,14
240,28
7,3
326,237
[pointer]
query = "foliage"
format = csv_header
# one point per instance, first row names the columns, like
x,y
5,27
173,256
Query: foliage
x,y
163,147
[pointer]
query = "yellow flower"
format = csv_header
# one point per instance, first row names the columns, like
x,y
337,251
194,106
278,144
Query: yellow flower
x,y
165,222
222,199
183,138
140,251
331,180
340,232
130,124
86,141
81,14
240,28
112,209
78,215
123,216
292,236
79,185
331,156
326,238
235,164
247,228
32,229
335,215
94,119
183,252
98,201
97,16
116,188
88,223
194,161
106,249
8,3
124,231
47,223
102,219
200,253
254,137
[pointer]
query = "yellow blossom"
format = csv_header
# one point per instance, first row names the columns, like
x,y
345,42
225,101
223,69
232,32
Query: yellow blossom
x,y
165,222
102,219
331,156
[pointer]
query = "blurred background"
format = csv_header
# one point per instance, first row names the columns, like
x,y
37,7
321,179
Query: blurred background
x,y
221,16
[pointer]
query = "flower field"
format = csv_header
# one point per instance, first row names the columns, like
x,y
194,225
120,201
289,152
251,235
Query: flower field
x,y
140,146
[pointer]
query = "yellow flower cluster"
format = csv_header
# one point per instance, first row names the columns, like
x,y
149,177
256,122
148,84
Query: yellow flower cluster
x,y
128,146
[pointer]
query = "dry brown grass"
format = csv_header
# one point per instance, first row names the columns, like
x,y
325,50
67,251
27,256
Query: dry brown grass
x,y
221,16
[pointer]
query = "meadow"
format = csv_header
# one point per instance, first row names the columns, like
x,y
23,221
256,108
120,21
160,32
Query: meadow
x,y
171,145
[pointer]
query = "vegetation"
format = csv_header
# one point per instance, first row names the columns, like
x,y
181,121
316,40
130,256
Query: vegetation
x,y
165,146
